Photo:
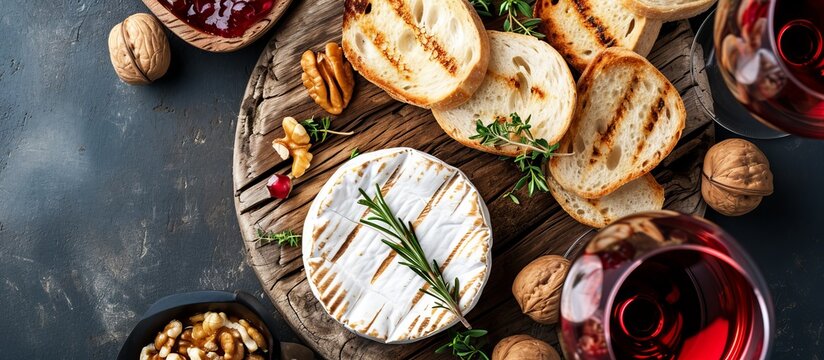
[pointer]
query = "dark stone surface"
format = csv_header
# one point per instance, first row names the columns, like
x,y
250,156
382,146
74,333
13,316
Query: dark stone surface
x,y
112,196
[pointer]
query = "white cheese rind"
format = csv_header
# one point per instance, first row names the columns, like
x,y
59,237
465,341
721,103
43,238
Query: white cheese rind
x,y
358,279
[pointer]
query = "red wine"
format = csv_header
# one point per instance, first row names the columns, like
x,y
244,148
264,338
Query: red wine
x,y
664,286
684,303
798,26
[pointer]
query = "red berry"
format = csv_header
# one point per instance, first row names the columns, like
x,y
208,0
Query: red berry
x,y
279,186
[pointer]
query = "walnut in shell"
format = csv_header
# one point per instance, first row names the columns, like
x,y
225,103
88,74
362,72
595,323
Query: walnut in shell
x,y
537,288
736,177
524,347
139,49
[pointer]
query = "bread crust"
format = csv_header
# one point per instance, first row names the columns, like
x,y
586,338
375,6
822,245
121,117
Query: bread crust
x,y
657,194
607,58
462,92
668,13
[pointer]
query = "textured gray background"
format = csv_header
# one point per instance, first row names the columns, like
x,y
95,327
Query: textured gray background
x,y
112,196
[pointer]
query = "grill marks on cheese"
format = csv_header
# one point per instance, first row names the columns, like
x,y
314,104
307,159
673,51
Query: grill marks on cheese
x,y
353,284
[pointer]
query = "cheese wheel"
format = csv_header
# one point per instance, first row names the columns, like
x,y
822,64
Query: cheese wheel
x,y
358,279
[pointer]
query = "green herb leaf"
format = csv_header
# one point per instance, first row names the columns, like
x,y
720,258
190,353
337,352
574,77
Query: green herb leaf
x,y
531,162
482,7
466,345
519,17
287,237
355,152
318,130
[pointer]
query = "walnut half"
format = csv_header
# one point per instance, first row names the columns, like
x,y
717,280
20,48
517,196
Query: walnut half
x,y
328,77
295,143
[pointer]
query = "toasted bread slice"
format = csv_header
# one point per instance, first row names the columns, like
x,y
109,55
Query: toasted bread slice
x,y
668,10
580,29
628,118
525,75
429,53
642,194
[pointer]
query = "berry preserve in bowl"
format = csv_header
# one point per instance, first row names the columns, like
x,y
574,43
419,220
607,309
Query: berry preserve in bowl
x,y
225,18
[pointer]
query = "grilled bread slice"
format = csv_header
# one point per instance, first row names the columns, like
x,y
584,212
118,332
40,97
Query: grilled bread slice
x,y
429,53
525,75
628,118
580,29
668,10
642,194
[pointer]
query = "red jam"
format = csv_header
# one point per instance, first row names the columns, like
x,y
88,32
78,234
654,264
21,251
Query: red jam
x,y
226,18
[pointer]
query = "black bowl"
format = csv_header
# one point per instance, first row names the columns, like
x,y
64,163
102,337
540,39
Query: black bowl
x,y
181,306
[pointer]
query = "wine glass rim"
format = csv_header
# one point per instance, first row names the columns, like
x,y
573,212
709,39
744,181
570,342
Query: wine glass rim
x,y
774,49
755,281
693,47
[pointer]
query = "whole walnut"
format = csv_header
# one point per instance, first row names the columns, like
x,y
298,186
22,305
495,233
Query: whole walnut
x,y
139,49
537,288
736,177
524,347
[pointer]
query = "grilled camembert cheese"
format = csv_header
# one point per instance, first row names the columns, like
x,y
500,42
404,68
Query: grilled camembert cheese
x,y
358,279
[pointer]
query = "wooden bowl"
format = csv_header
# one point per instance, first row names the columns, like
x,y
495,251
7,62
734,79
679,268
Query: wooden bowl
x,y
215,43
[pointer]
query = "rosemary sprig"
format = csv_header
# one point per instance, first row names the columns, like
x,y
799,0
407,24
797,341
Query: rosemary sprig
x,y
447,295
482,7
530,162
406,244
466,345
319,129
287,237
355,152
520,8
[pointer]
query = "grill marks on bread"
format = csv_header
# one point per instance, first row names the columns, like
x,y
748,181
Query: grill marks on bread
x,y
429,43
580,29
606,140
649,124
428,53
629,118
592,23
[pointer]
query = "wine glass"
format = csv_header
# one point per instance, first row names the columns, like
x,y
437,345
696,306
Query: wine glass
x,y
770,54
663,285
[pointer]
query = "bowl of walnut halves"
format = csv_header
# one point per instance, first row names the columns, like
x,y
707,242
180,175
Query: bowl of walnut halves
x,y
208,325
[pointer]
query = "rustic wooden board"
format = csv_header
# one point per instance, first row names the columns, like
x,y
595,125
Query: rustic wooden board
x,y
521,233
216,43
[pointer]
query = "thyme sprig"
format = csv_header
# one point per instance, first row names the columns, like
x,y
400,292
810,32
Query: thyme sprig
x,y
466,345
531,161
319,129
287,237
514,9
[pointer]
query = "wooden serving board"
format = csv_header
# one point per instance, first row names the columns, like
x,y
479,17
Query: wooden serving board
x,y
521,233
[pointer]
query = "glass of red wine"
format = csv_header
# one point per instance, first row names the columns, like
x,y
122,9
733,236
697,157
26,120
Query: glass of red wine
x,y
663,285
770,55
